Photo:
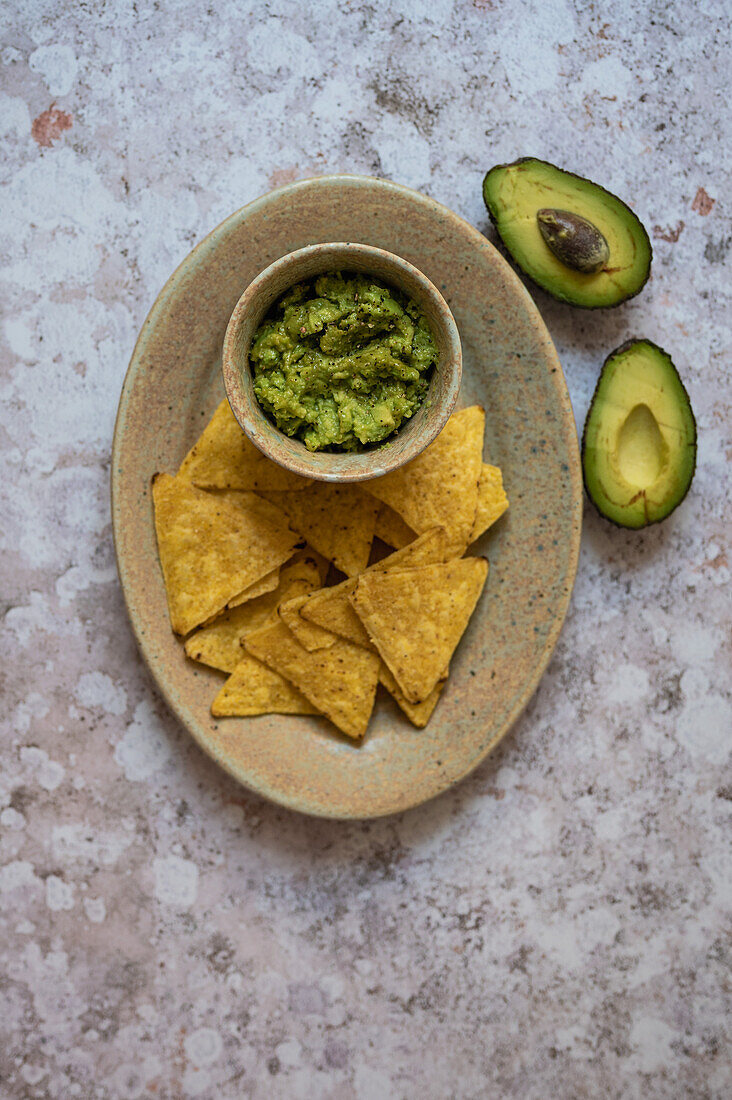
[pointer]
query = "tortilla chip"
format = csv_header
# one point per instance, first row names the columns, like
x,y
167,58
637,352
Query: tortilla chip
x,y
331,608
440,486
428,549
391,528
322,563
340,681
416,618
219,645
269,512
309,635
338,520
492,500
335,614
223,458
268,583
418,714
302,567
210,549
253,501
253,688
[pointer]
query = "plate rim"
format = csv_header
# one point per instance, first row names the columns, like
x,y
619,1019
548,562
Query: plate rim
x,y
200,249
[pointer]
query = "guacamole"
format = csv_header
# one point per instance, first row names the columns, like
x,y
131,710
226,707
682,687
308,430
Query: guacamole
x,y
341,361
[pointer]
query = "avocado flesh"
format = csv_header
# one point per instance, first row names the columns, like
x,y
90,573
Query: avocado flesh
x,y
514,193
639,442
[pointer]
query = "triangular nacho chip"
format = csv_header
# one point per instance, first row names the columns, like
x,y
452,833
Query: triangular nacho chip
x,y
331,608
210,549
427,549
416,618
335,614
338,520
256,503
219,645
322,563
223,458
492,500
309,635
418,714
253,688
340,681
267,583
391,528
268,511
315,566
440,486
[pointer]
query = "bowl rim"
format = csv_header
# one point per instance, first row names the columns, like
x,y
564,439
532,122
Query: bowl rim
x,y
342,466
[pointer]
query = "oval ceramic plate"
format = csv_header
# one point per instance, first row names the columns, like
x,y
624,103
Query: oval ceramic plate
x,y
510,367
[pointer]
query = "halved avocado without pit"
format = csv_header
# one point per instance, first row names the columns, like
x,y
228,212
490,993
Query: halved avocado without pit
x,y
576,240
639,442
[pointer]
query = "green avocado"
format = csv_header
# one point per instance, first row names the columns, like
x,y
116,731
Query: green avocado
x,y
342,361
576,240
639,442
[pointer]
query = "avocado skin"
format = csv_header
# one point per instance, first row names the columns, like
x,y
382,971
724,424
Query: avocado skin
x,y
557,293
627,345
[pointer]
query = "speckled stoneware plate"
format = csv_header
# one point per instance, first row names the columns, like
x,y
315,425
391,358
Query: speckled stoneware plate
x,y
510,367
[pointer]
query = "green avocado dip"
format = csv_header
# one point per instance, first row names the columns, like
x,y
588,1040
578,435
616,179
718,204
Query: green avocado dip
x,y
341,361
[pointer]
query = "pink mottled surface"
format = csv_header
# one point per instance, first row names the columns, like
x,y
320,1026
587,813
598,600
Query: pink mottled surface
x,y
559,923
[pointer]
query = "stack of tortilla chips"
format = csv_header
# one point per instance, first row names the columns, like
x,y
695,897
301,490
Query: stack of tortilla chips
x,y
246,546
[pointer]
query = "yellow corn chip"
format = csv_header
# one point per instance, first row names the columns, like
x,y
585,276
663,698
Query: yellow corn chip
x,y
391,528
268,583
273,514
309,635
302,567
340,680
492,500
322,563
418,714
428,549
219,645
210,549
253,688
334,613
253,501
223,458
330,607
338,520
440,486
416,618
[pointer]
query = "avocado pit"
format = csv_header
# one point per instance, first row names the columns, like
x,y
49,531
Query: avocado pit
x,y
574,240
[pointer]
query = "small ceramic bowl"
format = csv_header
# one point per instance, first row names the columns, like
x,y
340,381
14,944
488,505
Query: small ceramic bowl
x,y
414,435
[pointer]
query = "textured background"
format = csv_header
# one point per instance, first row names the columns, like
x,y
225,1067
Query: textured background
x,y
559,924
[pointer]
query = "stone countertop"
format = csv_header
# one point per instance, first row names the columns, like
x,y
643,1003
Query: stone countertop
x,y
557,925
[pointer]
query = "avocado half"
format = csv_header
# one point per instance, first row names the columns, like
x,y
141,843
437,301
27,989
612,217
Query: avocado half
x,y
639,442
532,203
